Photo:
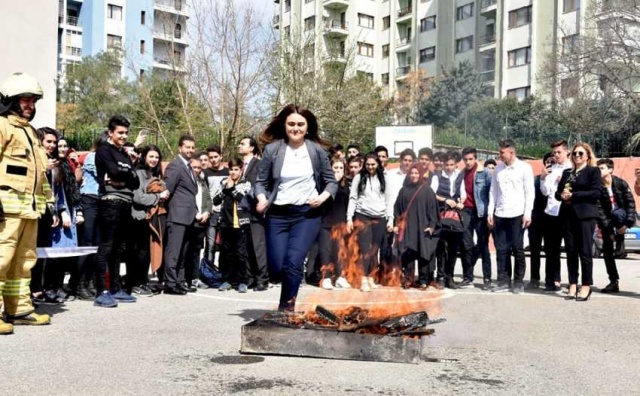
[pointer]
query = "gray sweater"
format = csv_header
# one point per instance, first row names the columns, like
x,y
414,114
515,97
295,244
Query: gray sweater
x,y
372,202
143,201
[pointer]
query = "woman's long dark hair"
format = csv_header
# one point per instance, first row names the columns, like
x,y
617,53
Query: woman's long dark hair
x,y
156,171
364,173
276,128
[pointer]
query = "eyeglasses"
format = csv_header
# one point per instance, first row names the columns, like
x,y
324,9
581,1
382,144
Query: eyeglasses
x,y
578,153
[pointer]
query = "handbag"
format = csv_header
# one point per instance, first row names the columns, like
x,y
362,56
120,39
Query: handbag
x,y
451,221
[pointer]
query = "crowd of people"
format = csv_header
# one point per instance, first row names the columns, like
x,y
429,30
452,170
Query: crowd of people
x,y
283,214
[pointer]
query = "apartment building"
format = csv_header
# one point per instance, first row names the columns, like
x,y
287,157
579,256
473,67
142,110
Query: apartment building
x,y
507,40
151,34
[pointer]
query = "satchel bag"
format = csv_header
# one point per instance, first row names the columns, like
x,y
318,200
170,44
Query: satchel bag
x,y
451,221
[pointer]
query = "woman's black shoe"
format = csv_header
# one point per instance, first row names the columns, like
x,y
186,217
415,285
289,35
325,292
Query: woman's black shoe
x,y
585,298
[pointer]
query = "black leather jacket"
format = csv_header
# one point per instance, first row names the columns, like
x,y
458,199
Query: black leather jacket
x,y
624,198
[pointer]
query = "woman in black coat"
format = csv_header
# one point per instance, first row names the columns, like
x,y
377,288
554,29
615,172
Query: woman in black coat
x,y
579,191
417,224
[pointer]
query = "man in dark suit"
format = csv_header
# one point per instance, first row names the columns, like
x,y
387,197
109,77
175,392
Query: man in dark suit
x,y
248,150
182,211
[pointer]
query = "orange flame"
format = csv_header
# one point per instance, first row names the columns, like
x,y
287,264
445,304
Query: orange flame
x,y
381,303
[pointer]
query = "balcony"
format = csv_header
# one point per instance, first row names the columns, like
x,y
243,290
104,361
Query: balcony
x,y
172,38
404,14
70,21
335,57
488,76
403,43
336,4
336,28
72,52
402,72
487,42
171,6
167,64
276,21
488,7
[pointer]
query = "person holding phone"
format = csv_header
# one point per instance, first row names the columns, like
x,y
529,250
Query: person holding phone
x,y
536,229
553,226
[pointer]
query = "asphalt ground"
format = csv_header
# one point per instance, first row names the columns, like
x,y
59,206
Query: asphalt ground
x,y
532,343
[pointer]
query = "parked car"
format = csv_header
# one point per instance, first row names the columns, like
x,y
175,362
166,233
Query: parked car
x,y
631,240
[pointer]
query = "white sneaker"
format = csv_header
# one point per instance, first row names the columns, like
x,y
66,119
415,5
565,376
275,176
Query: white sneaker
x,y
364,287
372,284
326,284
342,283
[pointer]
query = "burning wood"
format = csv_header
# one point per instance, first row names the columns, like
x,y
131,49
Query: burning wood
x,y
354,320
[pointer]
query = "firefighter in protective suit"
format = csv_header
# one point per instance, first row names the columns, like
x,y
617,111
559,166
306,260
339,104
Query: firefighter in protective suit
x,y
24,195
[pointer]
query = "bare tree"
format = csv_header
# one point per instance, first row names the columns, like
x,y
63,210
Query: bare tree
x,y
229,53
594,77
415,88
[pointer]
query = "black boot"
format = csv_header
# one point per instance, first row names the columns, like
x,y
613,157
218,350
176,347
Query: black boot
x,y
83,292
611,288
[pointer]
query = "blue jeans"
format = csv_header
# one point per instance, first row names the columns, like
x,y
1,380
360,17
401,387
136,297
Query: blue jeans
x,y
290,232
509,238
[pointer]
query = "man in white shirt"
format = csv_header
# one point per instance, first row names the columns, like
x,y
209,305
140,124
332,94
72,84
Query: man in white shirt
x,y
553,226
510,205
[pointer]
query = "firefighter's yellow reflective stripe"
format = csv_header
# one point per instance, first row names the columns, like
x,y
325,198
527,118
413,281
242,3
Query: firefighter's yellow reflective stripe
x,y
21,203
16,287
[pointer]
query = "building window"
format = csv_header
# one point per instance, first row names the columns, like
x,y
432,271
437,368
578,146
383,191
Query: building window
x,y
142,47
141,73
464,44
368,76
519,57
570,5
114,41
287,31
428,23
308,1
427,54
386,22
519,17
519,93
570,44
177,57
365,20
114,12
177,32
384,78
143,17
73,51
177,4
309,23
385,51
287,5
365,49
464,12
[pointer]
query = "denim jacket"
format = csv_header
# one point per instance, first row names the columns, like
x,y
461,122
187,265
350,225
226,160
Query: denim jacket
x,y
481,187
